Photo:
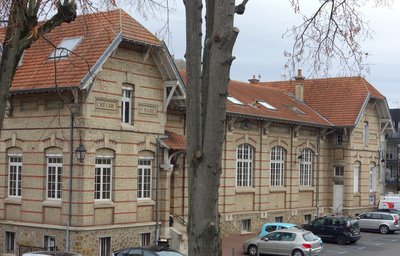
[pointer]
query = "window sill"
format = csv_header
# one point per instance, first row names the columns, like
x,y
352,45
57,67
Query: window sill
x,y
277,189
104,204
240,190
145,202
52,203
129,127
13,200
306,188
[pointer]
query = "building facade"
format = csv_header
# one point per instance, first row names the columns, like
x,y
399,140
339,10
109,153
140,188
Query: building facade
x,y
293,150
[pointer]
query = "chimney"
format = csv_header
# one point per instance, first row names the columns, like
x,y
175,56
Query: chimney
x,y
299,86
254,80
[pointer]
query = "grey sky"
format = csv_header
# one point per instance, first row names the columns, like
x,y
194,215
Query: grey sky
x,y
260,46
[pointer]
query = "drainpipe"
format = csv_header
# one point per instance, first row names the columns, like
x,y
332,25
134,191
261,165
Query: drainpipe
x,y
157,230
318,170
71,162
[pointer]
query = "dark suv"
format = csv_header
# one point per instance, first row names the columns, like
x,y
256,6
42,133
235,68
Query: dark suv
x,y
339,229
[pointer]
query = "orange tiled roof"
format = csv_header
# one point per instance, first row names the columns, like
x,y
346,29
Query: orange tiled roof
x,y
175,141
339,100
288,109
97,31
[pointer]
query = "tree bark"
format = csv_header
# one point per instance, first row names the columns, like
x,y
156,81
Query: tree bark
x,y
206,114
22,31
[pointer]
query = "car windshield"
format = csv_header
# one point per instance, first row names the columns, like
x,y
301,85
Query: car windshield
x,y
309,237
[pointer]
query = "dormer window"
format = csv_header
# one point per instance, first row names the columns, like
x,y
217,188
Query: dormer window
x,y
235,101
65,48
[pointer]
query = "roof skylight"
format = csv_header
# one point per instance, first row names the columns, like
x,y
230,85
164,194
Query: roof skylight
x,y
268,106
64,49
235,101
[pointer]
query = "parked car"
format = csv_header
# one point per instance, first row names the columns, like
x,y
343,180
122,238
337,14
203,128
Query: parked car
x,y
339,229
292,241
269,227
392,210
148,251
47,253
384,222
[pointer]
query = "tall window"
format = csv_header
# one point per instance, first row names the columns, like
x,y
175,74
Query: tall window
x,y
306,167
365,134
339,171
14,176
356,180
102,183
372,177
277,166
244,165
10,242
339,138
144,179
50,243
105,246
126,105
54,177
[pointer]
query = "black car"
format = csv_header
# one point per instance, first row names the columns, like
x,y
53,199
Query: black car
x,y
338,229
150,251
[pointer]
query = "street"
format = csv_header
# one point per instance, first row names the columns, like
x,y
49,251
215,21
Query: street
x,y
370,244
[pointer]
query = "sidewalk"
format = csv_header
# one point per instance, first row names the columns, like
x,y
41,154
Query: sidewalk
x,y
232,246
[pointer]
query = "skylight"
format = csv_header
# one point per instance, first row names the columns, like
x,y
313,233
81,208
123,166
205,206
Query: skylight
x,y
235,101
294,109
64,49
268,106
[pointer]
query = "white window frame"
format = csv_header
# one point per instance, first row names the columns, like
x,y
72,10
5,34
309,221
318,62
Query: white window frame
x,y
54,192
103,180
246,225
277,167
50,243
244,165
126,105
306,167
356,175
105,246
144,177
65,47
14,175
372,177
9,242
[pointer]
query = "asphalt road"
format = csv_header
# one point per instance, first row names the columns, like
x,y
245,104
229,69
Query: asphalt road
x,y
370,244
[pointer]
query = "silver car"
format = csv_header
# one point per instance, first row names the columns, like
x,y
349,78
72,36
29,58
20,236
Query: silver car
x,y
384,222
293,241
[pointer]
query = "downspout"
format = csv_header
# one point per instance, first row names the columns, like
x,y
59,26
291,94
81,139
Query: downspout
x,y
157,230
318,170
291,168
71,162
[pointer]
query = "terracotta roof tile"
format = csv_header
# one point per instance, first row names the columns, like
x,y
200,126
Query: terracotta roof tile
x,y
339,100
175,141
97,31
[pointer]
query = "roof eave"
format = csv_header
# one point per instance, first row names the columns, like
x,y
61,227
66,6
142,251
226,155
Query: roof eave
x,y
364,106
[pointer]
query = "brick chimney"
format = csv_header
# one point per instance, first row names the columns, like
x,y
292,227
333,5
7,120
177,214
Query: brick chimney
x,y
299,86
254,80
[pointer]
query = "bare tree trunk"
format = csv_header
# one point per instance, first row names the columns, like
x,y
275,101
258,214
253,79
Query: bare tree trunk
x,y
206,114
22,30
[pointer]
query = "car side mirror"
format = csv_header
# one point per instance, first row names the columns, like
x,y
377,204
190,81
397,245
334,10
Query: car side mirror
x,y
265,238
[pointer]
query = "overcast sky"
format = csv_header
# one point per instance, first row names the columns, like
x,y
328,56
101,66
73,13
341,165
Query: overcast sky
x,y
259,47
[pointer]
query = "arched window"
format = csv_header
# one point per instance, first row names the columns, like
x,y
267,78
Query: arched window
x,y
277,166
103,174
356,181
244,165
306,167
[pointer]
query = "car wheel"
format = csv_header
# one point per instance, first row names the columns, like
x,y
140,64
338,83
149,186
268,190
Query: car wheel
x,y
341,239
252,250
297,253
384,229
